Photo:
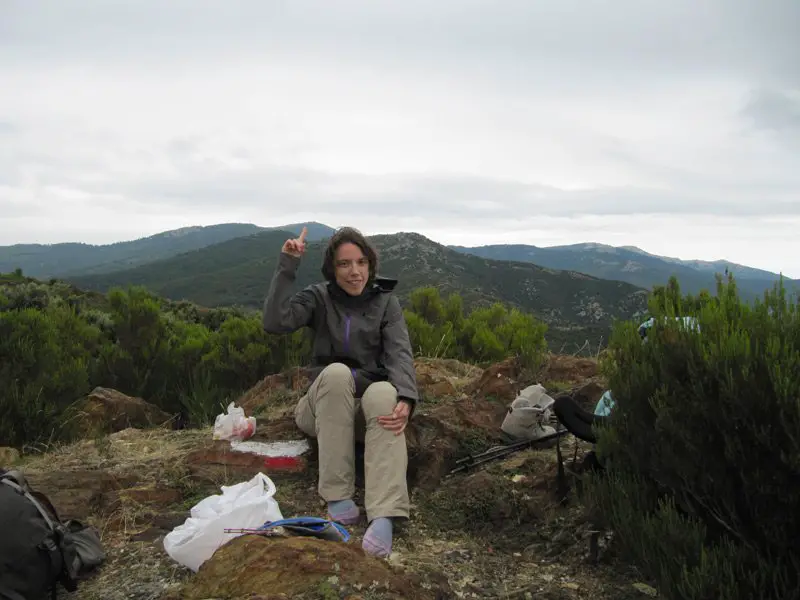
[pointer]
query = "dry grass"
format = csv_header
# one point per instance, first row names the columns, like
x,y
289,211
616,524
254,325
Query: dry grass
x,y
122,451
458,373
279,403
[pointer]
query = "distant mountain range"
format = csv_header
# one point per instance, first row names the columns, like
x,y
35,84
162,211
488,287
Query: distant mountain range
x,y
577,289
68,259
634,266
577,307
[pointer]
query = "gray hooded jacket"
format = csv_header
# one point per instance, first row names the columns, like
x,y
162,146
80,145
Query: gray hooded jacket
x,y
367,333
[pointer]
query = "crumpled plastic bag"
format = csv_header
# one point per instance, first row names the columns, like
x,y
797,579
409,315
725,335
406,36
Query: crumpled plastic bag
x,y
233,425
246,505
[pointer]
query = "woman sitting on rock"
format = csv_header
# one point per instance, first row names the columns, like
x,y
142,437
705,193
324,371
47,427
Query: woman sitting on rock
x,y
363,382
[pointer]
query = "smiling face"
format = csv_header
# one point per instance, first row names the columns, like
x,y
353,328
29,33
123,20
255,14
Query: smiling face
x,y
351,268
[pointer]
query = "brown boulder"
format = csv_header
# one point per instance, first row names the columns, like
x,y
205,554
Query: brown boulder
x,y
499,381
106,410
250,566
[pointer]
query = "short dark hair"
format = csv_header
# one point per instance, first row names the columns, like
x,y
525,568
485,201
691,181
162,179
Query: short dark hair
x,y
348,235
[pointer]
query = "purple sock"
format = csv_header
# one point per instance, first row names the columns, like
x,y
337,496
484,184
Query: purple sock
x,y
378,538
344,511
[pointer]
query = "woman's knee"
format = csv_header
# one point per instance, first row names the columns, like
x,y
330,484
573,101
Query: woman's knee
x,y
337,376
380,398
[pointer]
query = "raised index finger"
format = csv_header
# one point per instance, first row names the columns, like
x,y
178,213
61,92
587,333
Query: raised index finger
x,y
302,238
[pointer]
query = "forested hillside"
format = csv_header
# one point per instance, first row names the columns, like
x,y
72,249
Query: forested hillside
x,y
576,307
55,260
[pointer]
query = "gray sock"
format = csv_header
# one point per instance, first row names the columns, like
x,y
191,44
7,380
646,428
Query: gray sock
x,y
378,537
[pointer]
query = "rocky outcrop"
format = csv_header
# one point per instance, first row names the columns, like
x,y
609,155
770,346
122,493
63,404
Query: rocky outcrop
x,y
450,426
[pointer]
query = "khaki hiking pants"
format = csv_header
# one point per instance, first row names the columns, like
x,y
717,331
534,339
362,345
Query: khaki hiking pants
x,y
330,412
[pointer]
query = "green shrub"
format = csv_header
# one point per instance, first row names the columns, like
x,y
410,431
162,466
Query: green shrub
x,y
45,361
703,447
440,328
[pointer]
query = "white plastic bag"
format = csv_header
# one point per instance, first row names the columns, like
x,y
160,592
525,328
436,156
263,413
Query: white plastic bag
x,y
245,505
234,425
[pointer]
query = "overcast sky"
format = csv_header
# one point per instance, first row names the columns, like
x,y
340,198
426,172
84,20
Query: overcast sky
x,y
673,125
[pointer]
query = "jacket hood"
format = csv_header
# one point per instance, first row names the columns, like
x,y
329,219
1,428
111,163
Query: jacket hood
x,y
379,285
386,284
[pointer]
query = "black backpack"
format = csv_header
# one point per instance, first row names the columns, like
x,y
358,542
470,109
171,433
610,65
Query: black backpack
x,y
37,550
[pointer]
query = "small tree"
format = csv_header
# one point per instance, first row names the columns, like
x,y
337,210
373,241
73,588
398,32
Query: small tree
x,y
703,447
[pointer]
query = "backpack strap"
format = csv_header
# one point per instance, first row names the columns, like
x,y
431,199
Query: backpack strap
x,y
15,480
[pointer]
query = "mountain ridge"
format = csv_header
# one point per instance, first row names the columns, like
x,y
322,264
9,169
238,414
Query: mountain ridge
x,y
237,273
628,264
78,258
633,265
740,271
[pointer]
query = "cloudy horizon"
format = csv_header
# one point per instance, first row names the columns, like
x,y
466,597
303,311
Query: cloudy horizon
x,y
671,126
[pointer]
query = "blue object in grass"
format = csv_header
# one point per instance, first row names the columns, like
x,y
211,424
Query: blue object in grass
x,y
604,405
311,526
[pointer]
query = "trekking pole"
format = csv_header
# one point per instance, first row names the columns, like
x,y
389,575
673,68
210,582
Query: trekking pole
x,y
496,452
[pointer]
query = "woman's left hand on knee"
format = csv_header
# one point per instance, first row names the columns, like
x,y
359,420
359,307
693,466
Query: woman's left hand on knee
x,y
398,420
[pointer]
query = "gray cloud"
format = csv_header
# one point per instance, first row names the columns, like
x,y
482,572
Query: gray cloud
x,y
448,115
187,181
775,111
719,34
